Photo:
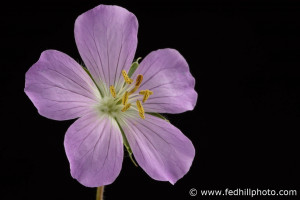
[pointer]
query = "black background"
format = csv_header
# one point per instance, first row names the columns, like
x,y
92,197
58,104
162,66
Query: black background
x,y
245,57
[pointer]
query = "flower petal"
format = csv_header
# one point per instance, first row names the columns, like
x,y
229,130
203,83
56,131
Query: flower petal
x,y
58,86
94,148
159,147
106,37
167,74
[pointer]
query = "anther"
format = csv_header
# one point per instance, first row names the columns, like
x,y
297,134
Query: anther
x,y
138,82
142,92
142,115
126,107
141,109
146,94
112,91
125,98
126,78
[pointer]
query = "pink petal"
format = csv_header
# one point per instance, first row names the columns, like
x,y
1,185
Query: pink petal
x,y
167,74
58,86
106,37
94,148
159,147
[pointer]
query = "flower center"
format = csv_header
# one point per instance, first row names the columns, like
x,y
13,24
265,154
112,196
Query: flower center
x,y
126,98
109,106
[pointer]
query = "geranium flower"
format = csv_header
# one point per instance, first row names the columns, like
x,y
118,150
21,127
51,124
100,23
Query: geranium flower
x,y
115,103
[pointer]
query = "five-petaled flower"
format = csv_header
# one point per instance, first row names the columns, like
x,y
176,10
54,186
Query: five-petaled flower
x,y
114,102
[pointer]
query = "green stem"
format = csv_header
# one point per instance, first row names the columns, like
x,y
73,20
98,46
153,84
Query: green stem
x,y
99,194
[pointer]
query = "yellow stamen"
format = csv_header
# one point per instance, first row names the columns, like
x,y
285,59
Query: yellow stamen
x,y
141,109
125,98
126,107
146,94
133,89
126,78
112,91
138,82
142,115
142,92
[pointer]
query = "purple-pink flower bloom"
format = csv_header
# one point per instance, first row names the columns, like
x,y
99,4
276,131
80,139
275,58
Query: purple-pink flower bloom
x,y
113,106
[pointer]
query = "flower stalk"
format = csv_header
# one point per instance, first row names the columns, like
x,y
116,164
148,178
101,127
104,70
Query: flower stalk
x,y
99,193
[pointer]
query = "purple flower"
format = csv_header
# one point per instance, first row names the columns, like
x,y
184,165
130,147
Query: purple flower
x,y
115,104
